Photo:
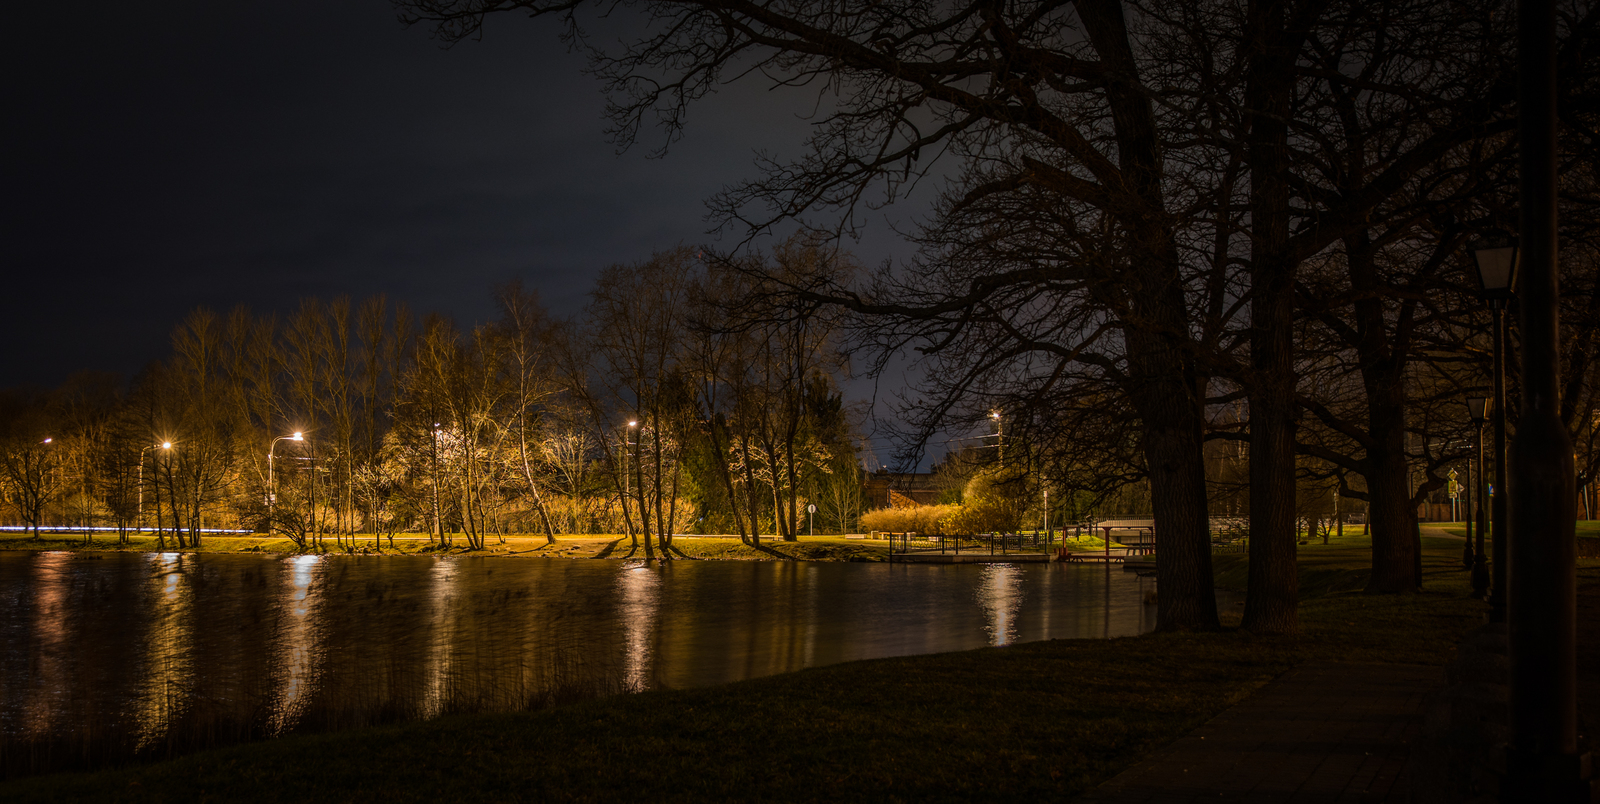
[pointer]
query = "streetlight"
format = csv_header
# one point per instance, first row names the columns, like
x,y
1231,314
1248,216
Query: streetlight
x,y
42,464
438,526
1477,407
628,443
272,486
999,437
627,481
1497,278
163,445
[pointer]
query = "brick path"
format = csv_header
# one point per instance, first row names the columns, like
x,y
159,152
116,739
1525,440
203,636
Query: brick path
x,y
1320,733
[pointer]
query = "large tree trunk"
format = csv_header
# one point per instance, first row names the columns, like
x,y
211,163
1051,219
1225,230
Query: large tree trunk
x,y
721,449
533,487
792,533
1161,382
1173,449
1392,524
1273,594
1391,516
1392,519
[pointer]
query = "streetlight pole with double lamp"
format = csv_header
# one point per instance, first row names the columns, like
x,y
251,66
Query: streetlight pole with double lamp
x,y
272,485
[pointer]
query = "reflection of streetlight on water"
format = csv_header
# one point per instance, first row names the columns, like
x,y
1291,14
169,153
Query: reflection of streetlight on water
x,y
1000,594
641,596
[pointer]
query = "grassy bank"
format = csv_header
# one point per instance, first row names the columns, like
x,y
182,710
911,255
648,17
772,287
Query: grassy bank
x,y
1037,720
808,548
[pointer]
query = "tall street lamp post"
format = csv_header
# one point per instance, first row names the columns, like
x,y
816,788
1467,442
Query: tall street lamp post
x,y
627,480
438,526
163,445
1467,557
140,484
1477,408
1543,762
161,538
999,437
1497,277
272,486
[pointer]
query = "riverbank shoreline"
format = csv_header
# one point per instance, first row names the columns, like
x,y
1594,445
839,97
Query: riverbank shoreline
x,y
716,548
603,547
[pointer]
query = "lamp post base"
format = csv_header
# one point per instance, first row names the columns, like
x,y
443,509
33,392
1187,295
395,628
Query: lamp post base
x,y
1548,779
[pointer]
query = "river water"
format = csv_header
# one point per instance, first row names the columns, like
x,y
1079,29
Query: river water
x,y
135,644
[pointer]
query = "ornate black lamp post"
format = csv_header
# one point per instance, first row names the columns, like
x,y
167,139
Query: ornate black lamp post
x,y
1497,276
1477,408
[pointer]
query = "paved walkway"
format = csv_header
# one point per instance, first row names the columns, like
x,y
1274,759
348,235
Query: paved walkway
x,y
1320,733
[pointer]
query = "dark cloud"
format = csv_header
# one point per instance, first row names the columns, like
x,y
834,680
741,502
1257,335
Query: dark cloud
x,y
160,157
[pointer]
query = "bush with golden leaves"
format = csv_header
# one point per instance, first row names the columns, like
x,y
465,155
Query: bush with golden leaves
x,y
911,519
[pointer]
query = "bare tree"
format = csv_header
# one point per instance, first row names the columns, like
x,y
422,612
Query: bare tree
x,y
530,370
28,456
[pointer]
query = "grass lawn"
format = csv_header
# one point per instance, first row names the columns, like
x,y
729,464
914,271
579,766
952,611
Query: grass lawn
x,y
808,548
1587,528
1041,720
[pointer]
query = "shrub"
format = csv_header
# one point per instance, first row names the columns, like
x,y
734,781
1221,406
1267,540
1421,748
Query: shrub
x,y
912,519
995,501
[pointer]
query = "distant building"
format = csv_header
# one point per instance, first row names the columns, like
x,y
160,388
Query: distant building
x,y
883,489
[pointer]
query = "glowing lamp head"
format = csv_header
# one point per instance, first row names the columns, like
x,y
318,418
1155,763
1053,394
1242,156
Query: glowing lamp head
x,y
166,445
633,424
48,440
297,437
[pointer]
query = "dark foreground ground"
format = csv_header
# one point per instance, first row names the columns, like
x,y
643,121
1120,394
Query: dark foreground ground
x,y
1035,721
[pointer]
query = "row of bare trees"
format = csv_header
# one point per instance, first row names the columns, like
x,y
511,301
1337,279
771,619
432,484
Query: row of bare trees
x,y
352,422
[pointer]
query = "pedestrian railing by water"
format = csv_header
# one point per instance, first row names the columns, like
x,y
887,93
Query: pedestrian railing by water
x,y
1029,542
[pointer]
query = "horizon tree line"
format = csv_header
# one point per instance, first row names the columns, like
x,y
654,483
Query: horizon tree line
x,y
350,422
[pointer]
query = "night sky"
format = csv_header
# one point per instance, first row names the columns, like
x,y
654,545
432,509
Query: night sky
x,y
160,157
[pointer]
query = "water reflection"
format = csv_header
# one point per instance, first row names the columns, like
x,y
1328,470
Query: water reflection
x,y
1000,594
165,679
442,636
296,650
640,589
138,642
50,635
